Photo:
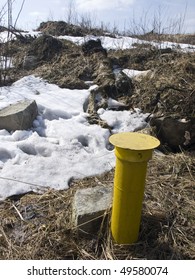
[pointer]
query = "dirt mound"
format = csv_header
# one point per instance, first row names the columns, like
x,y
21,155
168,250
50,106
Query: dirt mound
x,y
45,47
166,91
57,28
58,61
68,70
170,87
170,90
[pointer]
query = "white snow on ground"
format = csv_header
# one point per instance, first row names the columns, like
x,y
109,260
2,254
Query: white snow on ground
x,y
122,42
5,36
132,120
61,144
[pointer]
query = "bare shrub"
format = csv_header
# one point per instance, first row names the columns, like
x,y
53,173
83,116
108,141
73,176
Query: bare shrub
x,y
5,41
156,27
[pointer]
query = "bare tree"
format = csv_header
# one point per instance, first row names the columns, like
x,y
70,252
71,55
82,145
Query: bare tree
x,y
154,27
21,8
9,4
5,59
72,15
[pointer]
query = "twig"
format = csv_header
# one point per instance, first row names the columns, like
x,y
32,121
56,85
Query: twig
x,y
18,212
21,8
5,237
186,163
30,184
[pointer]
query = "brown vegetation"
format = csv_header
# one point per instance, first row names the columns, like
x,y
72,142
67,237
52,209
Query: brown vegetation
x,y
39,226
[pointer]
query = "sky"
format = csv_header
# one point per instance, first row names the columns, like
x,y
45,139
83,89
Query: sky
x,y
128,15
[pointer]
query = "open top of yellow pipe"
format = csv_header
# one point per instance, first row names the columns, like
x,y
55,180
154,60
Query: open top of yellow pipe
x,y
134,141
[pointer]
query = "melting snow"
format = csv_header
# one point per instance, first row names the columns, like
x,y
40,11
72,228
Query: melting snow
x,y
61,144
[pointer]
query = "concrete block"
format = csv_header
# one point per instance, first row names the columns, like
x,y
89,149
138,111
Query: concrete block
x,y
89,206
19,116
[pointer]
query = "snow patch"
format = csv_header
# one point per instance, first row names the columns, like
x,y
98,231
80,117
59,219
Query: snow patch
x,y
61,143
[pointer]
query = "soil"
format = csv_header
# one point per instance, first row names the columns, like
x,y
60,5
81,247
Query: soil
x,y
58,28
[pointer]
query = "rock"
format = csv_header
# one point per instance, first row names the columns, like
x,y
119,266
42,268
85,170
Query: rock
x,y
166,50
96,101
19,116
105,78
123,84
93,46
89,206
174,132
148,74
114,105
111,86
30,62
112,83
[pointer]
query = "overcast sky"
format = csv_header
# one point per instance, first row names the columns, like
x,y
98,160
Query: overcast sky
x,y
124,14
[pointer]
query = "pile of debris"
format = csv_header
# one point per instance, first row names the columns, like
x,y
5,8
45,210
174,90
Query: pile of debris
x,y
166,89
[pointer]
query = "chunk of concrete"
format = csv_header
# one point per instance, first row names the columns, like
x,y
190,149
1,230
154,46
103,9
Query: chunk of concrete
x,y
174,132
19,116
89,206
30,62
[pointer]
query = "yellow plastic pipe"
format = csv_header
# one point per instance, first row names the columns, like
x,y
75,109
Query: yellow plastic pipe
x,y
133,151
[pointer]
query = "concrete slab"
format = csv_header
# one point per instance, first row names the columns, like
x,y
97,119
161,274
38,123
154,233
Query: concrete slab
x,y
89,206
19,116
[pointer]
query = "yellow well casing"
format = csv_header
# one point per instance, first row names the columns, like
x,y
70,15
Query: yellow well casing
x,y
133,151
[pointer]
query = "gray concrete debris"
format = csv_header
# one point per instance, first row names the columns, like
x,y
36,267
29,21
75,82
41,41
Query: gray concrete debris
x,y
174,132
19,116
89,207
30,62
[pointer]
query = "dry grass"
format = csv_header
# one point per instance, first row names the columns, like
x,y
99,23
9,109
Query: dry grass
x,y
176,38
170,88
40,227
